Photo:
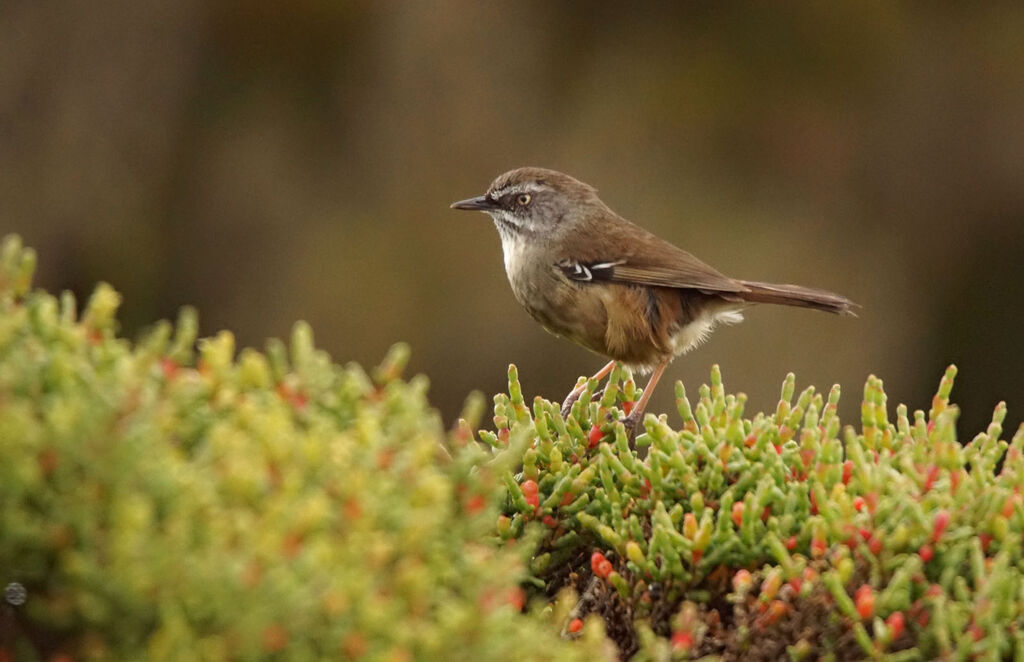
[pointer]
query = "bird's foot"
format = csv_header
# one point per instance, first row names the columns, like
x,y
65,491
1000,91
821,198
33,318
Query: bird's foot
x,y
631,421
571,399
581,386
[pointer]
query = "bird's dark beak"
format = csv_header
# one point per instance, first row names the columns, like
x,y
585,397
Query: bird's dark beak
x,y
479,203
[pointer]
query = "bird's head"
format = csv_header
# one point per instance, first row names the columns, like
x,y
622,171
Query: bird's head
x,y
534,201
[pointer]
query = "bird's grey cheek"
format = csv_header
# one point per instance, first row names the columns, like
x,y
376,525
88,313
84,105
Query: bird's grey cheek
x,y
553,212
535,224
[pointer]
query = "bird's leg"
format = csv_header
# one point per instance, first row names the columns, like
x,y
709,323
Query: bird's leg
x,y
575,393
638,409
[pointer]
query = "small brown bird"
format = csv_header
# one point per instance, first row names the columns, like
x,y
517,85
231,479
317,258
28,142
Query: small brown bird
x,y
589,275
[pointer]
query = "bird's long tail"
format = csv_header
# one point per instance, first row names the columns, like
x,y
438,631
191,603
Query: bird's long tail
x,y
794,295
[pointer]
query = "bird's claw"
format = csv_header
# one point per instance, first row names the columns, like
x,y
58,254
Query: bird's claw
x,y
630,422
573,397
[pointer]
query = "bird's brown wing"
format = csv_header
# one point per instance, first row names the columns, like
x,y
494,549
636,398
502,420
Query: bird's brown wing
x,y
641,258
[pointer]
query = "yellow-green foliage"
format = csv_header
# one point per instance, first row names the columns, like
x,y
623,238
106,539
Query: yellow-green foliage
x,y
160,505
782,534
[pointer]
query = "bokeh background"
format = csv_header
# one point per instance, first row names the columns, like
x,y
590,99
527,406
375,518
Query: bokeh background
x,y
271,161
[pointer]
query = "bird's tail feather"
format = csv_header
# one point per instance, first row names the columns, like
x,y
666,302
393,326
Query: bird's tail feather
x,y
794,295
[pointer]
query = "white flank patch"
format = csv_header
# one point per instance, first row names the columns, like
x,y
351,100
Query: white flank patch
x,y
699,329
729,317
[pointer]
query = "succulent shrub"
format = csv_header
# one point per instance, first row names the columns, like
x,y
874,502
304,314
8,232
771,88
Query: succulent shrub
x,y
165,504
168,499
782,534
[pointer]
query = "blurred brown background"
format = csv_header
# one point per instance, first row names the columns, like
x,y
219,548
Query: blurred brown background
x,y
271,161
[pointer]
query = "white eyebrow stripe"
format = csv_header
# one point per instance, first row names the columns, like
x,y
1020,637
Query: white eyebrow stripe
x,y
515,188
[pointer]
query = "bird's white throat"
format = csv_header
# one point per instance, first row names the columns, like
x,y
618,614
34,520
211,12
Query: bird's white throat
x,y
513,246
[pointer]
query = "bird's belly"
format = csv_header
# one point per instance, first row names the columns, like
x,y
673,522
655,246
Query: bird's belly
x,y
566,310
575,318
591,316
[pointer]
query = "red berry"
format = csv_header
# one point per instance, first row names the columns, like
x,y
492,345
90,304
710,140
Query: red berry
x,y
475,504
858,503
1010,505
774,612
864,599
682,641
817,548
594,438
897,623
940,524
875,545
791,543
517,597
737,513
529,487
299,401
926,553
601,566
575,625
169,367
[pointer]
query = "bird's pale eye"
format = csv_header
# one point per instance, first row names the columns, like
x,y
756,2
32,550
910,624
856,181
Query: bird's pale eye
x,y
523,199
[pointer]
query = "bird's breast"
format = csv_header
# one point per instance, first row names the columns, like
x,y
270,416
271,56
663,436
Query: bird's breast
x,y
564,308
